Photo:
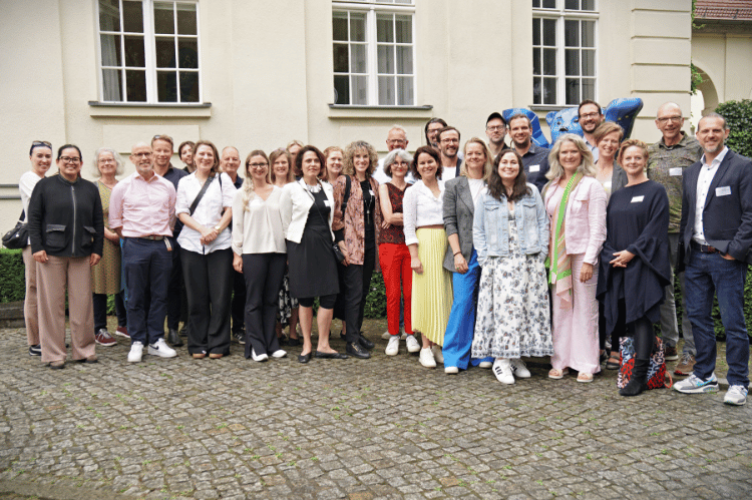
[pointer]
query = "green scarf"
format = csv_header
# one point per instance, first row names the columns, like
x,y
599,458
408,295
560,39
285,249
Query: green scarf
x,y
559,263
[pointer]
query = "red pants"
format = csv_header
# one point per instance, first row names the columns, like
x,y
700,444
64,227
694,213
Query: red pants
x,y
395,266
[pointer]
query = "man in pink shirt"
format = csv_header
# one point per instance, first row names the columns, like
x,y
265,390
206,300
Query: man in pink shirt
x,y
142,212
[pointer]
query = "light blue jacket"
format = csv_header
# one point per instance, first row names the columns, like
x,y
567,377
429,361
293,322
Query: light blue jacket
x,y
491,226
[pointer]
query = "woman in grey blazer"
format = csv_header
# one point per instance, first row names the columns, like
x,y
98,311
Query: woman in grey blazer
x,y
459,206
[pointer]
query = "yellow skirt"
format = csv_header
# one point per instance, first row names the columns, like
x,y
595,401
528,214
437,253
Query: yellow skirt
x,y
432,290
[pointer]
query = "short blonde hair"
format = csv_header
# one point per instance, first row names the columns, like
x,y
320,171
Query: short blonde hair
x,y
633,142
586,164
354,147
606,128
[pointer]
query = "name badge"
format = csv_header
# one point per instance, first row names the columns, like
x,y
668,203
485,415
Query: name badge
x,y
534,168
637,199
675,172
723,191
326,203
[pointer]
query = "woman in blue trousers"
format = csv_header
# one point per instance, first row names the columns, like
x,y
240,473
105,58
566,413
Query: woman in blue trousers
x,y
459,206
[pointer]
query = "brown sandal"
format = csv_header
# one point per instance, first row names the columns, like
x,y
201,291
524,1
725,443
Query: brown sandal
x,y
614,361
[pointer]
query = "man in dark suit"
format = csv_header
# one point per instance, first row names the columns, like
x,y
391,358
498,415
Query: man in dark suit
x,y
715,235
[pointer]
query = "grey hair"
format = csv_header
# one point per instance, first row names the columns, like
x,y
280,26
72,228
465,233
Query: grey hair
x,y
398,127
392,157
115,154
586,163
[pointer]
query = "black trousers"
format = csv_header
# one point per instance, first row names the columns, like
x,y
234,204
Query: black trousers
x,y
238,302
641,330
100,310
208,284
263,274
357,281
176,295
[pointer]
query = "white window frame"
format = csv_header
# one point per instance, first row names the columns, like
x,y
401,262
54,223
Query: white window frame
x,y
150,56
560,15
372,8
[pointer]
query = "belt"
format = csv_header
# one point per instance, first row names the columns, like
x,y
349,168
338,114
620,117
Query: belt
x,y
702,248
152,238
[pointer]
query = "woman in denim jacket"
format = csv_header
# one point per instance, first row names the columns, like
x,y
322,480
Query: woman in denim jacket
x,y
510,234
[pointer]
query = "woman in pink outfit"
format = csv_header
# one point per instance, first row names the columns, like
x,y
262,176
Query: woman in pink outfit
x,y
576,204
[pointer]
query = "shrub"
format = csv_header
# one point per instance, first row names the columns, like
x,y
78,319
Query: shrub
x,y
12,279
738,116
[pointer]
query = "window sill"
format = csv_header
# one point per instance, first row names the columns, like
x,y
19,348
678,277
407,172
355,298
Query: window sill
x,y
126,109
340,111
550,107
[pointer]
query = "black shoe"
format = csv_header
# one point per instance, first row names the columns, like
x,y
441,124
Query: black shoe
x,y
173,338
330,355
356,351
293,342
35,350
365,342
282,340
304,358
239,337
639,380
184,331
341,335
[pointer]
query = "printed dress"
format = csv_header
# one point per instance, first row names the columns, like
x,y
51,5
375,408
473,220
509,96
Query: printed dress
x,y
513,317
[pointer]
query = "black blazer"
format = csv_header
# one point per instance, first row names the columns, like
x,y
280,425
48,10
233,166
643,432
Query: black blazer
x,y
727,218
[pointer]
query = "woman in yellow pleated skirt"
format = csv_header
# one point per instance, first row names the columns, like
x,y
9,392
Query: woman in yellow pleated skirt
x,y
432,290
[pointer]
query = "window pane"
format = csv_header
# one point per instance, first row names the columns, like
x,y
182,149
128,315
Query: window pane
x,y
112,84
134,52
404,29
572,62
135,85
165,46
386,59
549,32
404,60
358,58
340,58
188,53
572,33
536,32
572,5
359,89
110,50
357,27
109,15
167,86
536,4
406,2
536,91
536,61
133,17
549,4
339,26
189,86
573,90
385,28
386,90
187,24
549,91
164,21
588,5
588,88
405,91
588,63
588,34
549,61
341,89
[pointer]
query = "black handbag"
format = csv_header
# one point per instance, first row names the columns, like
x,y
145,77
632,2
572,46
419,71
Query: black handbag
x,y
18,237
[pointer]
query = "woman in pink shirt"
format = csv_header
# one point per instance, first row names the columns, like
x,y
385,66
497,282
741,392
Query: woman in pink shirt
x,y
576,204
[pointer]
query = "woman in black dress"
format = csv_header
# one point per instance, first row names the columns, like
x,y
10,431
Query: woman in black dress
x,y
307,210
634,265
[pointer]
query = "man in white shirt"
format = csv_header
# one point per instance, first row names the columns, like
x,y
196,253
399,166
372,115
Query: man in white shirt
x,y
449,146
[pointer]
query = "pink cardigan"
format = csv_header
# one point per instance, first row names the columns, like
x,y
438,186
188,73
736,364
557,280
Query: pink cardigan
x,y
585,219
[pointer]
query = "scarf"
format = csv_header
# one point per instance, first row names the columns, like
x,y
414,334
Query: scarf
x,y
559,263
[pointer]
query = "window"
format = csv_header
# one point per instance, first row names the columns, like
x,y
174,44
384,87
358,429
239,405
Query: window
x,y
149,51
374,48
564,41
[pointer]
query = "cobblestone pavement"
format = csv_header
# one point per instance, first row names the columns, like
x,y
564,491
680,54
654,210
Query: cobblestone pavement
x,y
362,430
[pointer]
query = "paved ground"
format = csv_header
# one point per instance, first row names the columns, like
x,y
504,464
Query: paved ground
x,y
385,428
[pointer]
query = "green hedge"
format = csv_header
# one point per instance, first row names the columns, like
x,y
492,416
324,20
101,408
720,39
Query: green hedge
x,y
738,115
12,280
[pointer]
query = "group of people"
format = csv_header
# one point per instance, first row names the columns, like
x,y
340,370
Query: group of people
x,y
493,254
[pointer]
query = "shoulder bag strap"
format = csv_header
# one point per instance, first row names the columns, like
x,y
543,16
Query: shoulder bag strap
x,y
200,195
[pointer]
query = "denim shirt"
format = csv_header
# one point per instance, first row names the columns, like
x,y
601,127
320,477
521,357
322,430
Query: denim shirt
x,y
491,226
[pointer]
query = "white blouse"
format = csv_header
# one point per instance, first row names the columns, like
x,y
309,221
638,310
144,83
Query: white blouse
x,y
421,208
257,225
208,212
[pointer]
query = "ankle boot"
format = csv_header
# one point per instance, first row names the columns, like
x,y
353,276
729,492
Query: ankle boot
x,y
639,380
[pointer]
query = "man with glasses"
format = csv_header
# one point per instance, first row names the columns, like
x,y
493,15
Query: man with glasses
x,y
669,158
449,147
142,213
162,146
496,130
396,138
590,116
432,131
534,158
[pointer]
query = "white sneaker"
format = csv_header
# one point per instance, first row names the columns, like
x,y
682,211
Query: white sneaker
x,y
736,395
503,370
392,348
426,358
412,344
279,353
437,354
161,349
136,352
519,369
485,364
258,358
386,335
451,370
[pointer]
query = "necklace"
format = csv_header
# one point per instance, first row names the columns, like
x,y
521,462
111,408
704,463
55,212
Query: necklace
x,y
313,189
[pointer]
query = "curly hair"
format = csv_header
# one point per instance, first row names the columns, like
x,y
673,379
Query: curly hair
x,y
633,142
350,151
496,185
433,153
586,166
319,154
273,157
392,157
215,167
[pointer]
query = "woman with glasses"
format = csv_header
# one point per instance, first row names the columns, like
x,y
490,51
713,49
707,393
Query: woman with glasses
x,y
40,155
67,234
258,243
105,276
204,206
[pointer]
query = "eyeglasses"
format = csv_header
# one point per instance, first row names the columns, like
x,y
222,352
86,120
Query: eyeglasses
x,y
588,116
141,155
667,119
496,128
396,141
450,141
258,165
70,159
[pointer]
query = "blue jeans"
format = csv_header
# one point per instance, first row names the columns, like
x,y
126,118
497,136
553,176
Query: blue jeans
x,y
706,274
458,338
